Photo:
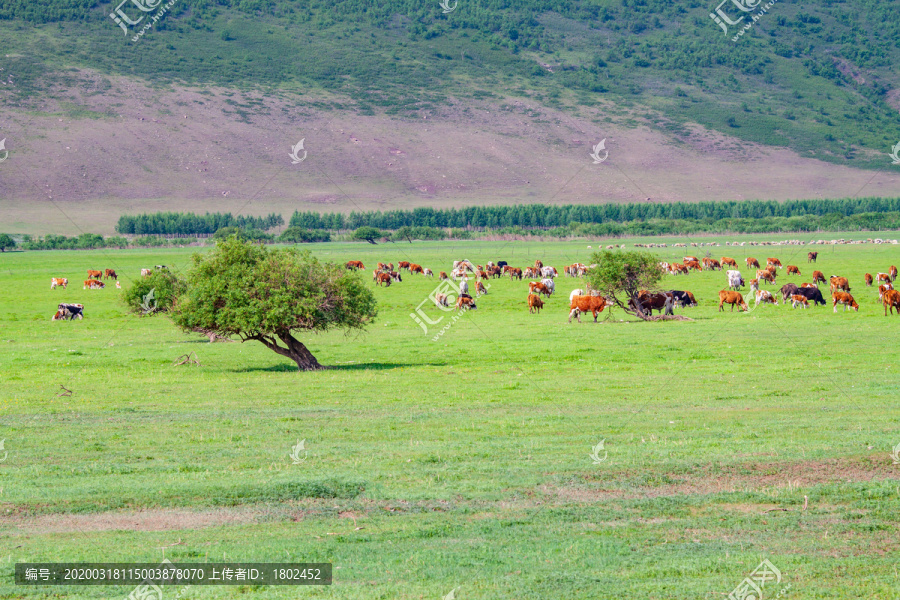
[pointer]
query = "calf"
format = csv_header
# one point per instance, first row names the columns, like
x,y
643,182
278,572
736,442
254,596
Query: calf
x,y
868,279
891,300
428,273
845,299
812,293
58,281
443,276
765,296
893,273
799,300
93,284
535,304
584,304
731,297
791,269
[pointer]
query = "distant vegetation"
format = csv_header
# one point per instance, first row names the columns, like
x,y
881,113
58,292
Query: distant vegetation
x,y
175,223
815,77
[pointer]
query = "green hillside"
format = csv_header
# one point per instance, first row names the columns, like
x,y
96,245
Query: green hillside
x,y
820,79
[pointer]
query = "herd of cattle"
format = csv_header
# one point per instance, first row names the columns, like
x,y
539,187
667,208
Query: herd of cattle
x,y
67,311
591,301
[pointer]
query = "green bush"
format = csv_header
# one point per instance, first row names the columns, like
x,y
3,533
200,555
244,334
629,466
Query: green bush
x,y
299,235
153,293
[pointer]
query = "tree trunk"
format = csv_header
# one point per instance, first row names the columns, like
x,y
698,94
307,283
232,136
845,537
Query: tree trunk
x,y
295,350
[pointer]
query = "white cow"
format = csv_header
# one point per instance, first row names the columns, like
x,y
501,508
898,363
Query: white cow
x,y
464,287
549,284
428,273
765,296
578,292
549,272
146,272
735,279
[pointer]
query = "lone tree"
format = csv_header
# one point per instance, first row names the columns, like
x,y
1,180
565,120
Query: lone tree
x,y
6,242
368,234
621,276
254,293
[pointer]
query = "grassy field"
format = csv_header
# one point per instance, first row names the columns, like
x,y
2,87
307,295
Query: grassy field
x,y
462,463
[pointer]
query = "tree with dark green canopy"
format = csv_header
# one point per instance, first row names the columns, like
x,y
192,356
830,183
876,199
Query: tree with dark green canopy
x,y
6,242
621,276
367,233
246,290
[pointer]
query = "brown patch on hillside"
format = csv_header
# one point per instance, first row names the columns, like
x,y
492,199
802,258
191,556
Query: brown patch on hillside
x,y
144,520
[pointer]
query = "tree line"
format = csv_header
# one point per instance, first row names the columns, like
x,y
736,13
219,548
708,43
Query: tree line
x,y
177,223
544,216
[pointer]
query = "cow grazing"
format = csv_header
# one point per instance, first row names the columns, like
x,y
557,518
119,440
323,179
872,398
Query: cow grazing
x,y
799,300
403,264
549,272
684,299
839,284
766,275
813,294
891,300
94,274
535,304
443,276
355,265
883,278
515,273
868,278
735,279
731,297
752,263
110,274
818,277
395,276
729,261
754,285
893,273
773,261
496,272
885,287
549,284
428,273
146,272
414,268
383,279
693,264
811,257
765,296
442,300
94,284
845,299
585,304
531,272
58,281
791,269
663,301
464,287
479,288
465,302
788,290
482,274
69,312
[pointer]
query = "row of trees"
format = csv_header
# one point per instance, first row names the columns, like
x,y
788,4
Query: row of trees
x,y
546,216
175,223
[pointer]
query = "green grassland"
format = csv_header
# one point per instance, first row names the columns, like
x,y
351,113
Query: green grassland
x,y
818,78
462,463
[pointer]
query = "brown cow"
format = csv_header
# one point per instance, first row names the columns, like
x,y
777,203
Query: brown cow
x,y
465,302
495,272
811,257
891,300
58,281
540,288
383,279
729,261
483,274
688,259
893,273
818,277
515,273
95,274
693,264
868,279
845,299
765,296
353,265
767,275
395,276
884,288
732,298
479,288
839,284
403,264
584,304
538,264
111,274
535,304
443,276
93,284
752,262
414,268
883,277
798,300
791,269
663,301
773,261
